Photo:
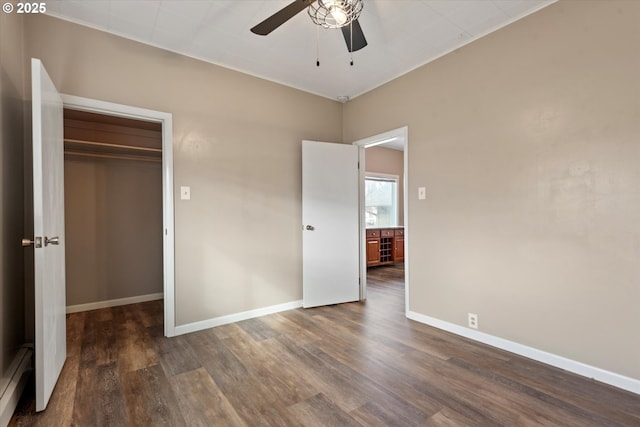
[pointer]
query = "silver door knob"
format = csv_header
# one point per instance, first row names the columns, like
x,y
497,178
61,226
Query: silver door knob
x,y
310,227
51,241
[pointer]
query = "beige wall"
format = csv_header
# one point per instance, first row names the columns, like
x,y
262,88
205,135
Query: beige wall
x,y
237,144
391,162
11,192
527,141
113,227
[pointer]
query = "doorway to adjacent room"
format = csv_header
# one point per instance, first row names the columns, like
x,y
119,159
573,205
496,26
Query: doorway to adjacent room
x,y
384,217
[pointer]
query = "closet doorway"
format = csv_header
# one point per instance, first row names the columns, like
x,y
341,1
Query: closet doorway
x,y
118,206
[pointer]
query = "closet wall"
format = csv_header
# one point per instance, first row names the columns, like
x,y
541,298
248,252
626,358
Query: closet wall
x,y
113,208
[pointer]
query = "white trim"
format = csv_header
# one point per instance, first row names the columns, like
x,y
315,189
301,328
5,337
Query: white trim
x,y
113,302
236,317
407,234
388,176
390,135
382,141
362,165
19,371
168,241
608,377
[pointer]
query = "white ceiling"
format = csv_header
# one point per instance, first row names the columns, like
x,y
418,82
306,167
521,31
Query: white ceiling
x,y
402,35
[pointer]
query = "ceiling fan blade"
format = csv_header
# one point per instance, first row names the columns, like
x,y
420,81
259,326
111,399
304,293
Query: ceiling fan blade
x,y
280,17
358,36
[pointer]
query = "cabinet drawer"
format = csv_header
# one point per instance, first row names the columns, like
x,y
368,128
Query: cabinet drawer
x,y
399,232
386,233
373,233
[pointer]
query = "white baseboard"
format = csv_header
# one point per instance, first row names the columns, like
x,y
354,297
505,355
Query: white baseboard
x,y
19,372
113,302
608,377
236,317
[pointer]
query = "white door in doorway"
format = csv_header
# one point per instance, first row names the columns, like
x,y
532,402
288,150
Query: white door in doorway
x,y
48,227
330,216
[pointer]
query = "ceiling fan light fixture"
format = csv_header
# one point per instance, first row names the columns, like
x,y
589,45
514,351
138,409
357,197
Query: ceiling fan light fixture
x,y
338,15
335,13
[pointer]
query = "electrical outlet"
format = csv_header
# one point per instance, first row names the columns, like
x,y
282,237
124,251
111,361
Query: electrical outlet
x,y
473,320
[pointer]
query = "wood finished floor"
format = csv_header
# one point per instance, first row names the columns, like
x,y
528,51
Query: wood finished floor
x,y
359,364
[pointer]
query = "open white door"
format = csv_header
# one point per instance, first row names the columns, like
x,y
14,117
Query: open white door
x,y
330,214
48,227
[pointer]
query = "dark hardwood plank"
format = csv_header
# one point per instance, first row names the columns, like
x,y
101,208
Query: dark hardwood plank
x,y
285,326
108,399
348,364
75,333
258,329
151,313
325,378
256,394
272,386
150,400
136,349
465,392
449,418
223,366
175,355
99,399
89,344
318,410
201,401
105,337
370,414
382,389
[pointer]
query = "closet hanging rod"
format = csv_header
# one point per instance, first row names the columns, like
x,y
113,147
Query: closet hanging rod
x,y
112,156
105,144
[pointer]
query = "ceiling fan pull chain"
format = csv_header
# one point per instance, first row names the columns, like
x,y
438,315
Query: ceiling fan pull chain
x,y
317,46
351,41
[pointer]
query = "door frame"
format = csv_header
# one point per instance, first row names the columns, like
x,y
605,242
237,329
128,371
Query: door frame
x,y
168,239
379,139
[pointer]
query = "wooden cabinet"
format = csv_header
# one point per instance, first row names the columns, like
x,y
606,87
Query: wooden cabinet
x,y
384,245
373,247
373,252
398,245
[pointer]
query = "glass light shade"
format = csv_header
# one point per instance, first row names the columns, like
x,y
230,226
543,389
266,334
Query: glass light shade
x,y
335,13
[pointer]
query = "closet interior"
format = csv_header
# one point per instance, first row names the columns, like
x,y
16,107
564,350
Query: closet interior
x,y
113,209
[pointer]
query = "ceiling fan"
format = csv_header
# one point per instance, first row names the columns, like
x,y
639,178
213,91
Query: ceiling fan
x,y
341,14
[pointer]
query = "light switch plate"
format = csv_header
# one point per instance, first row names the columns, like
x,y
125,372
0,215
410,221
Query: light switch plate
x,y
185,193
422,193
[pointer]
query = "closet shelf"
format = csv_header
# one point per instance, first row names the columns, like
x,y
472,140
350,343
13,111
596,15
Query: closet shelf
x,y
112,156
76,147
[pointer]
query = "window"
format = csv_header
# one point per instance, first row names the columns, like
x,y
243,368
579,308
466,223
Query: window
x,y
381,200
